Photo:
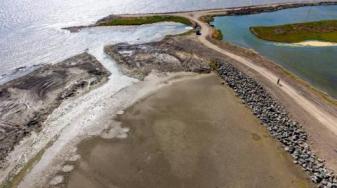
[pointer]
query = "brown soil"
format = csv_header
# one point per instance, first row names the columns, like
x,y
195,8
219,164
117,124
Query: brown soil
x,y
140,59
195,133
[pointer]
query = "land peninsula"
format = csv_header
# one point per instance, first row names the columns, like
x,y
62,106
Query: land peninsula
x,y
140,20
303,121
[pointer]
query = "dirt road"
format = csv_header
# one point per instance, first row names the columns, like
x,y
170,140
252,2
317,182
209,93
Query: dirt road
x,y
327,119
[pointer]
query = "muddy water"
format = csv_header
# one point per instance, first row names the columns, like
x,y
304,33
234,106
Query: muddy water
x,y
195,133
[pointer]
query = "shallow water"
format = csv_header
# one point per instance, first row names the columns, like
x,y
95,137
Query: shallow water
x,y
30,31
316,65
55,44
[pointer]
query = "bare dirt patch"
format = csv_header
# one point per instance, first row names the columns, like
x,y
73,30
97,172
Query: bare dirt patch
x,y
168,56
27,101
195,133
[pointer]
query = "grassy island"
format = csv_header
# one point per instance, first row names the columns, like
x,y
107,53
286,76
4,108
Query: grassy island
x,y
325,31
143,20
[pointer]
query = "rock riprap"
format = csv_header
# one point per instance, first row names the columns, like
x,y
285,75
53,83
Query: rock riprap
x,y
276,119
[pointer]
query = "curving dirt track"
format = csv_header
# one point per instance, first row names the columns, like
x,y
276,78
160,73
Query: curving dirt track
x,y
327,119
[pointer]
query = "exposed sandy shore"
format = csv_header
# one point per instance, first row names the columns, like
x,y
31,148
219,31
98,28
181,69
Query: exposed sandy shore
x,y
89,115
186,135
309,44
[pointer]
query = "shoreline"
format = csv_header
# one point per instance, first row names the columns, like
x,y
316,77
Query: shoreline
x,y
27,102
308,90
232,11
309,43
65,148
306,43
323,31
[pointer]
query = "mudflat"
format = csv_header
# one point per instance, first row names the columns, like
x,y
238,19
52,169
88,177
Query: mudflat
x,y
27,101
194,133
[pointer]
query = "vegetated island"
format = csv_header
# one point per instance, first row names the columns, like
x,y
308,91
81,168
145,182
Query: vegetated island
x,y
132,20
325,31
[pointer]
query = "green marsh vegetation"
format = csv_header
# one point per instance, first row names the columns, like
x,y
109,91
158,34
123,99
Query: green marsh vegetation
x,y
145,20
325,31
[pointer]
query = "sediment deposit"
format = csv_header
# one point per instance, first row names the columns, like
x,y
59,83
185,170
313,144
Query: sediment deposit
x,y
185,135
27,101
140,59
